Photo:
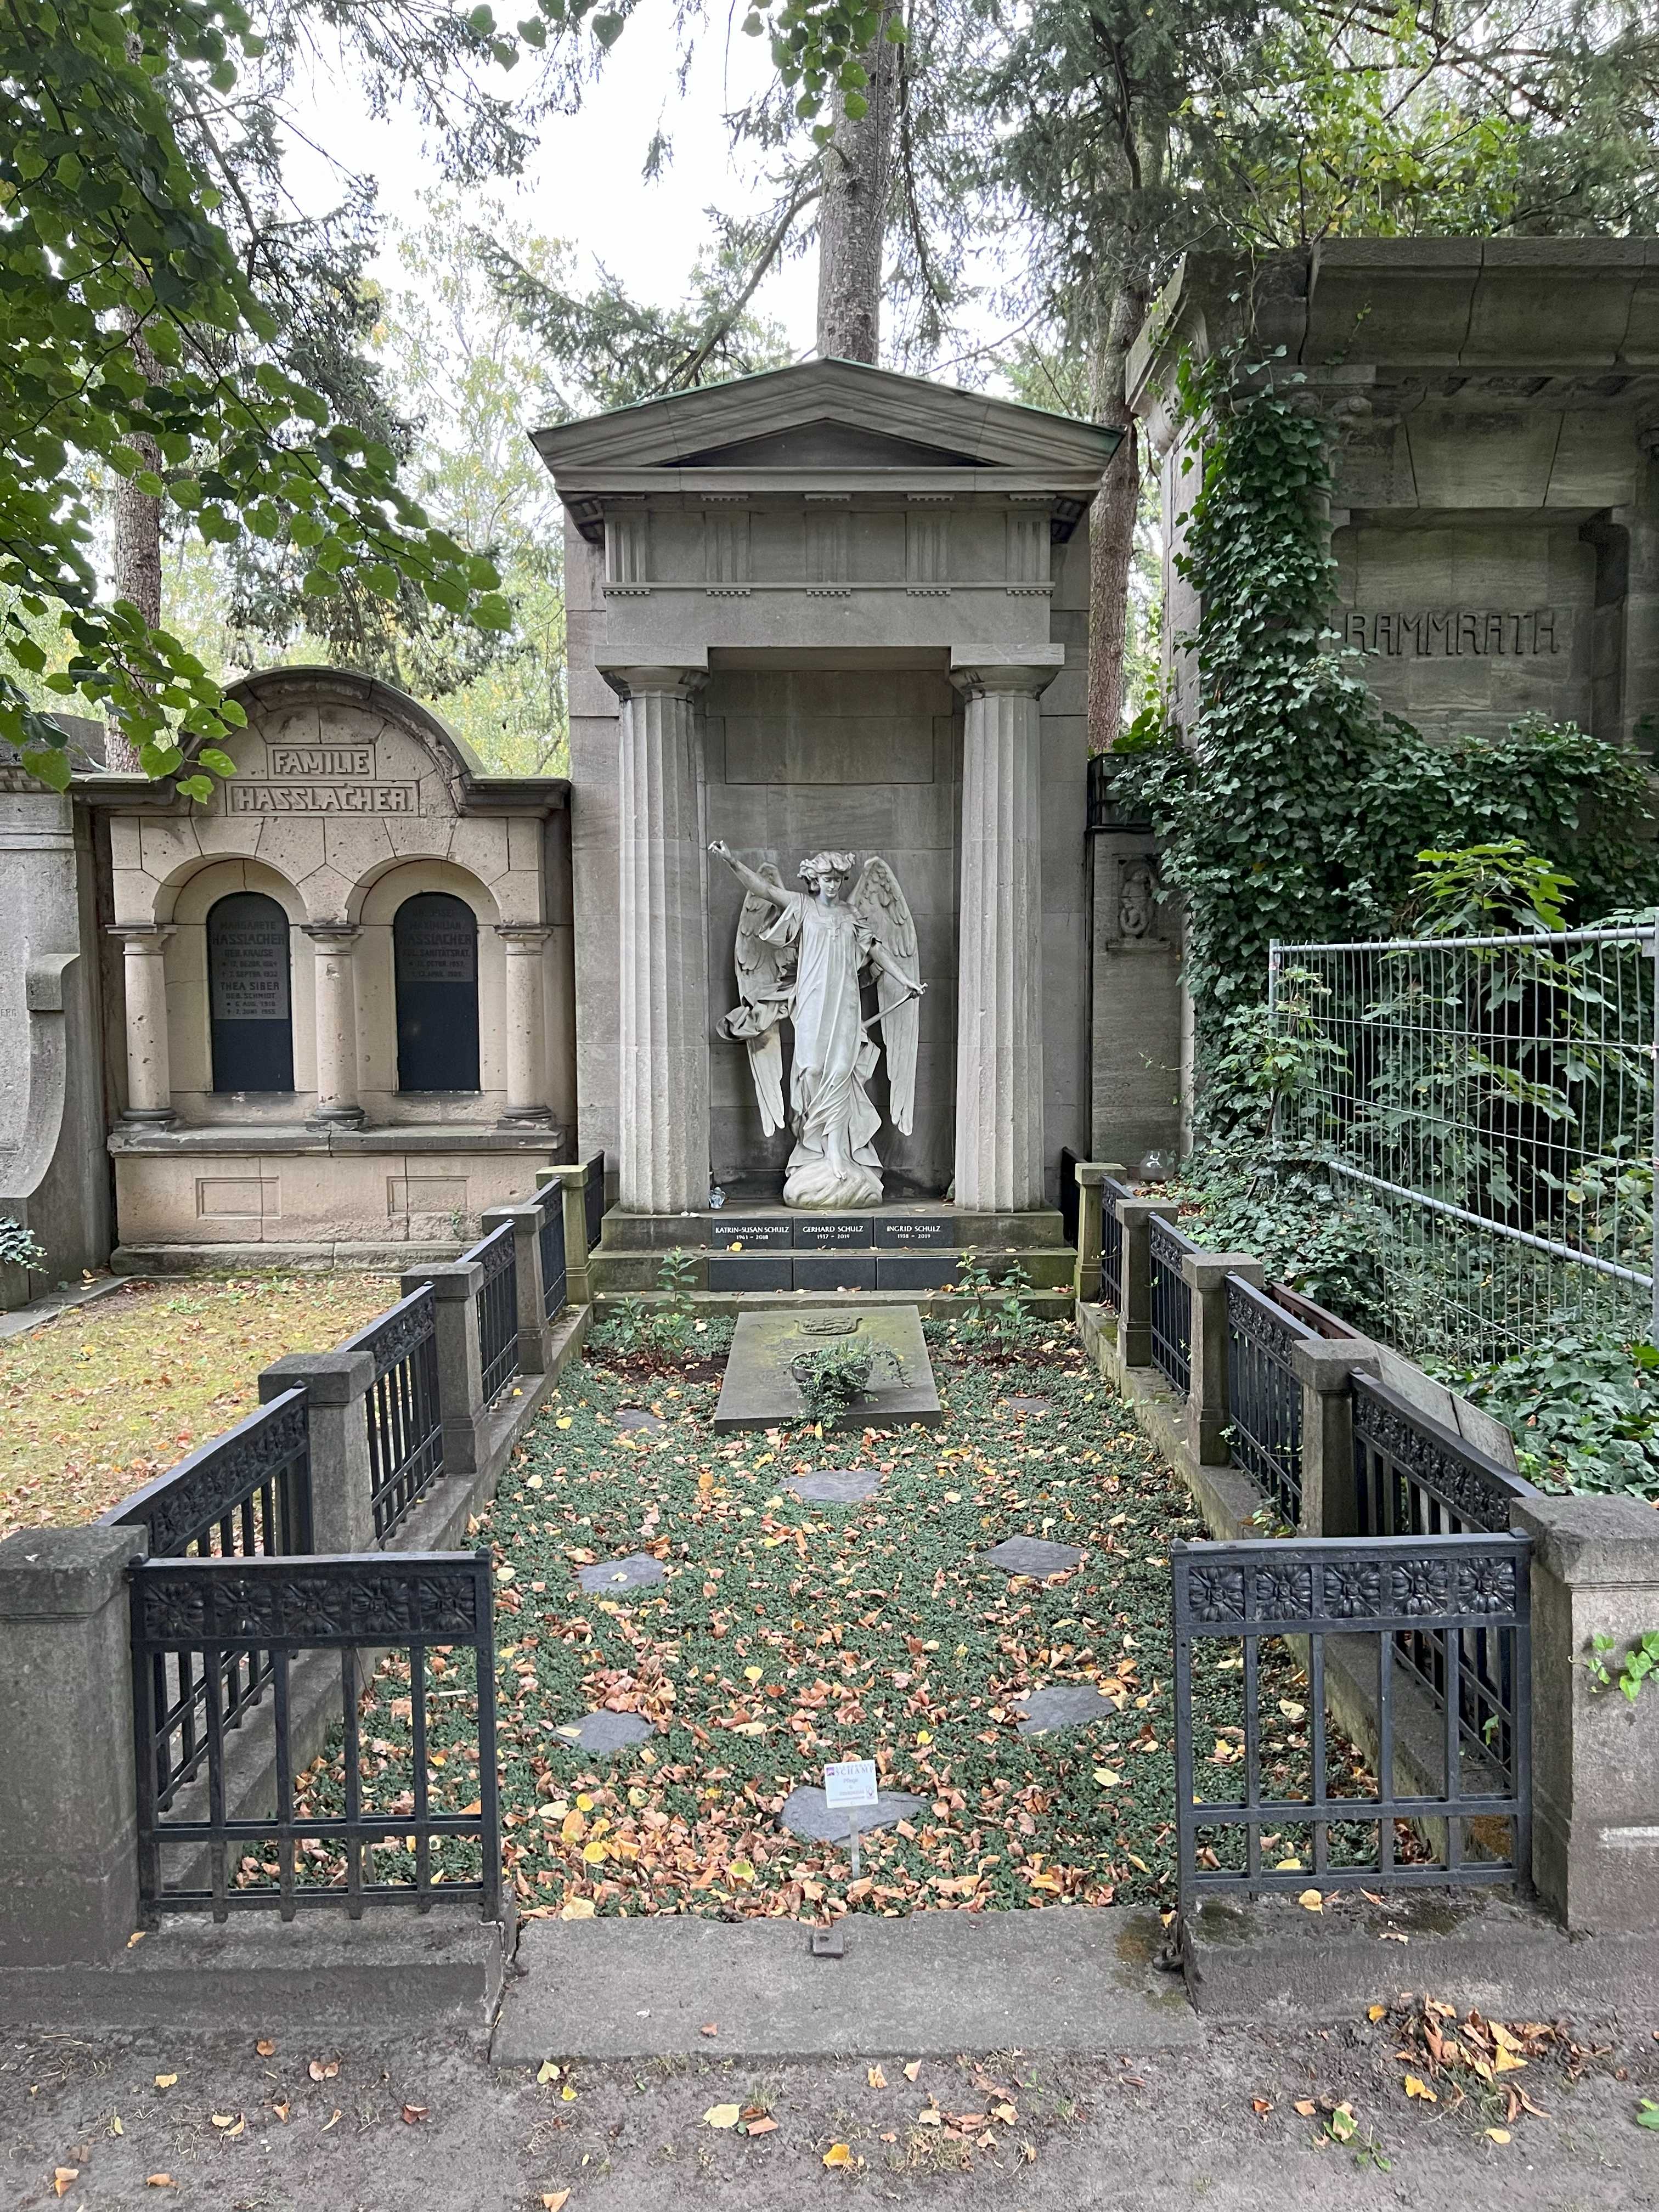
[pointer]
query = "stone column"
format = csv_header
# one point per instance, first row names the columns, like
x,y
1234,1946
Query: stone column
x,y
1134,1314
1640,702
1209,1399
573,1183
68,1834
528,1287
1330,1493
455,1287
662,1087
335,942
1091,1206
526,1055
999,1157
337,1385
149,1079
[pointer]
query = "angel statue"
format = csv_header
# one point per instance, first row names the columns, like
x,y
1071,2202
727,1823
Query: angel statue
x,y
801,957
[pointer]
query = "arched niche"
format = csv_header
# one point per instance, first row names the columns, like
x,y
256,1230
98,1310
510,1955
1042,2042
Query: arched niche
x,y
250,994
377,903
185,900
434,965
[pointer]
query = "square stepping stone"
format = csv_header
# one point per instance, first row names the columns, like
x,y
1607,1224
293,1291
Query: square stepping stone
x,y
605,1731
807,1813
638,1417
836,1486
1031,1555
1028,1405
634,1572
1072,1705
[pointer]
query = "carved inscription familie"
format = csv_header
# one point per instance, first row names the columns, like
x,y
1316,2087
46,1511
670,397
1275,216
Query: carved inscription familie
x,y
320,779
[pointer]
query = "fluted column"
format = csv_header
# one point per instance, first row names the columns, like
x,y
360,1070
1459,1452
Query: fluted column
x,y
526,1057
149,1078
335,946
662,1087
1000,972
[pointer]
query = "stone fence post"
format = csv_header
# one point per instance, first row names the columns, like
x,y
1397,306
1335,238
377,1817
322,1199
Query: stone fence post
x,y
336,1384
1209,1405
1090,1204
1135,1320
455,1287
68,1807
1595,1752
573,1181
1325,1367
533,1332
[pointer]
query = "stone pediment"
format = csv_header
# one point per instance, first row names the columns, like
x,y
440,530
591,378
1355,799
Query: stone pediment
x,y
825,417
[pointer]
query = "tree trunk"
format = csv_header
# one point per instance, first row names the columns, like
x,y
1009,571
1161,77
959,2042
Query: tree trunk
x,y
858,181
1112,518
137,573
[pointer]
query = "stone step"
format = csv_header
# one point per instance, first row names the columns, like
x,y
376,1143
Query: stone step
x,y
1050,1304
954,1228
909,1274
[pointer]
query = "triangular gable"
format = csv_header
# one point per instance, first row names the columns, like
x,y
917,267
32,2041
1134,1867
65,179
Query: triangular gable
x,y
826,444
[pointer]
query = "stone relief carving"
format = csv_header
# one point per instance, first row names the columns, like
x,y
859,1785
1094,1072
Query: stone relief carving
x,y
802,958
1134,917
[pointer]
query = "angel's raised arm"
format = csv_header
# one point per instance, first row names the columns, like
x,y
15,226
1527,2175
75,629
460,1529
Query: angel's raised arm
x,y
757,886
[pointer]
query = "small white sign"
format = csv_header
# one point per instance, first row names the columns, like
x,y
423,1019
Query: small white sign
x,y
849,1781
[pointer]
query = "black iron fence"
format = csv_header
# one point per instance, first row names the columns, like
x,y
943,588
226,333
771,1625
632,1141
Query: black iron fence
x,y
337,1835
1111,1242
550,1200
1441,1793
245,1495
1264,1397
1172,1305
1414,1477
405,1426
593,1199
498,1311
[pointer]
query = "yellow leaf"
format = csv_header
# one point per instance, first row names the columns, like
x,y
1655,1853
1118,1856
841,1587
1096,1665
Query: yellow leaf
x,y
573,1828
1416,2088
563,1421
1107,1779
911,2070
222,2120
1506,2062
547,2072
838,2154
115,2127
1288,1866
722,2116
136,1936
740,1870
1291,1710
567,2095
577,1908
594,1853
875,2077
1376,2012
584,1802
752,1673
166,2080
1311,1900
923,1736
1498,2135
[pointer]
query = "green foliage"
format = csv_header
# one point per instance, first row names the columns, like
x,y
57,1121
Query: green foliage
x,y
113,227
833,1377
661,1334
1640,1659
1484,890
998,1322
1307,1233
18,1248
1582,1406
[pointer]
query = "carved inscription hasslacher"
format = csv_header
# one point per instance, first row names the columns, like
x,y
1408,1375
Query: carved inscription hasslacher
x,y
320,780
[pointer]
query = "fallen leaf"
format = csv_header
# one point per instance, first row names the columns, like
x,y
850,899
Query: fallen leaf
x,y
136,1936
1647,2113
1498,2135
554,2200
1291,1710
63,2177
266,2047
333,2121
838,2154
567,2095
166,2080
323,2069
1415,2088
709,2027
876,2078
1107,1778
160,2181
911,2070
577,1908
760,2127
1376,2012
282,2110
547,2071
1311,1900
1005,2114
115,2127
412,2113
1343,2124
1505,2062
1306,2106
222,2120
722,2116
1392,1935
1261,2105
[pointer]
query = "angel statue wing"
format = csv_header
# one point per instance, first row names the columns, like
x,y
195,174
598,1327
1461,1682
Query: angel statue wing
x,y
884,913
764,985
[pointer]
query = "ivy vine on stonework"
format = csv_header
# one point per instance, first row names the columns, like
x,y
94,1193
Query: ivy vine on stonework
x,y
1296,807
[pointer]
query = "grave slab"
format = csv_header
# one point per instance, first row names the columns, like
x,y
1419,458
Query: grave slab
x,y
1072,1705
759,1392
639,1417
916,1271
835,1271
750,1271
806,1812
637,1571
604,1732
1031,1555
837,1487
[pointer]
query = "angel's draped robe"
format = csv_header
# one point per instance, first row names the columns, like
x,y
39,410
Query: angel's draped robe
x,y
834,1162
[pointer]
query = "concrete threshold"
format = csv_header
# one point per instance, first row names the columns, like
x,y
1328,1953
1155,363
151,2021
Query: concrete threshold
x,y
1061,1978
46,1309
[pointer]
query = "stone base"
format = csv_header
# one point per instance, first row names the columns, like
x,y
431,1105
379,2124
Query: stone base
x,y
759,1392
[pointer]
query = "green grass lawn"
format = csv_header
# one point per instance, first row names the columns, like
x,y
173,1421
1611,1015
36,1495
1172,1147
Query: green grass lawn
x,y
786,1635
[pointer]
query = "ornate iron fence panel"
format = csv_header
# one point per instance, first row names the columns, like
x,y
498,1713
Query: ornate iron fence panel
x,y
593,1199
1490,1101
1263,1395
245,1495
200,1613
1442,1793
1111,1242
550,1199
405,1428
498,1311
1172,1305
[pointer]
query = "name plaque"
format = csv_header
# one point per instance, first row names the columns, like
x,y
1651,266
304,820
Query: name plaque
x,y
1444,633
244,798
436,945
832,1232
916,1235
752,1235
249,969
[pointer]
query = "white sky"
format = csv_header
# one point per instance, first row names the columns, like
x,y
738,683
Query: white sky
x,y
584,184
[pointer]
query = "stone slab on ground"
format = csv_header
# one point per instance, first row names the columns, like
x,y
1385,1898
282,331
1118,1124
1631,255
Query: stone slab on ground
x,y
1065,1978
637,1571
847,1486
1267,1958
21,1319
1031,1555
321,1973
807,1812
759,1392
1067,1705
639,1417
603,1732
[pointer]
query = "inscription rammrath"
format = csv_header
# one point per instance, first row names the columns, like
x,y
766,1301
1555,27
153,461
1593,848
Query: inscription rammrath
x,y
1443,632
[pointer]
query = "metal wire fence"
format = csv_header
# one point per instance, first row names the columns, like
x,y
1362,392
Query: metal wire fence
x,y
1491,1101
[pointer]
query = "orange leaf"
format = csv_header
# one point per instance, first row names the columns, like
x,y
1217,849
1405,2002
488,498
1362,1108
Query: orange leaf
x,y
838,2154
